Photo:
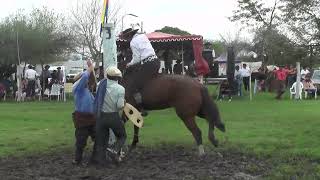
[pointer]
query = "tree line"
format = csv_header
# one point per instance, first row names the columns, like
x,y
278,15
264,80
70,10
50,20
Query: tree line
x,y
285,31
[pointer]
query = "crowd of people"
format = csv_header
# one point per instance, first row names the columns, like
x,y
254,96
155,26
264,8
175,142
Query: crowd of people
x,y
284,76
278,79
33,84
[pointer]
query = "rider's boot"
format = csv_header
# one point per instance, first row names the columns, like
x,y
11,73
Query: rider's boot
x,y
143,112
138,99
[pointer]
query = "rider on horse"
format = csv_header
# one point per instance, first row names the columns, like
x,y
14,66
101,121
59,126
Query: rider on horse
x,y
144,65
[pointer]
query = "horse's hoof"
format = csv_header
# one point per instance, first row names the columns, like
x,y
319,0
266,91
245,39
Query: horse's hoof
x,y
201,151
144,113
131,149
221,127
215,143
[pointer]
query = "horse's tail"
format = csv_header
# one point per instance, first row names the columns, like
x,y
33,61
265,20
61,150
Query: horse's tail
x,y
209,110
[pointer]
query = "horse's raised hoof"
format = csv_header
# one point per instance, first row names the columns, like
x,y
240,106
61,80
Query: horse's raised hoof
x,y
131,148
201,150
221,127
144,113
215,143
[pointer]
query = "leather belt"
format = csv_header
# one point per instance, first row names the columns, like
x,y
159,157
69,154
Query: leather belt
x,y
148,59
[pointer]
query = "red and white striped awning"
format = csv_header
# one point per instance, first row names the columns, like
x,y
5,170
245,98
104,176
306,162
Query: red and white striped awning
x,y
164,37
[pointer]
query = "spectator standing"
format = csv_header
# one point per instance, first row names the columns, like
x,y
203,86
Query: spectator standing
x,y
281,76
304,72
31,75
245,74
44,78
292,74
177,68
167,61
238,79
60,75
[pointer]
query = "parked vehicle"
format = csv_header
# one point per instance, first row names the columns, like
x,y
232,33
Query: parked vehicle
x,y
316,78
72,73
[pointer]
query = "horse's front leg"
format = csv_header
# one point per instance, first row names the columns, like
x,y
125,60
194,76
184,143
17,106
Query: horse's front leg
x,y
196,132
135,138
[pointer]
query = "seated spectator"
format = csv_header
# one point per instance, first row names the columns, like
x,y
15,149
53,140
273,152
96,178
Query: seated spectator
x,y
308,85
191,71
163,71
2,91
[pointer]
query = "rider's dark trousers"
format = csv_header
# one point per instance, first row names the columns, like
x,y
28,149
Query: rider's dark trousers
x,y
141,76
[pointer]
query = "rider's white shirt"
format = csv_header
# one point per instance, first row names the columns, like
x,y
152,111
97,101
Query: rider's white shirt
x,y
141,48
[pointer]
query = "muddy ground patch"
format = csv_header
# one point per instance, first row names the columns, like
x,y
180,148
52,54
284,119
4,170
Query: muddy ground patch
x,y
164,162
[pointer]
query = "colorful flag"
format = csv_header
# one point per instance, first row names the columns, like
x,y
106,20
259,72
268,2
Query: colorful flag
x,y
104,15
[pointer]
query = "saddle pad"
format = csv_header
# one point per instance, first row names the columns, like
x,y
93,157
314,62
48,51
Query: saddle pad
x,y
133,115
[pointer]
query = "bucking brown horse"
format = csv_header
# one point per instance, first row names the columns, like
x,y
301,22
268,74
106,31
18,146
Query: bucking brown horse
x,y
187,96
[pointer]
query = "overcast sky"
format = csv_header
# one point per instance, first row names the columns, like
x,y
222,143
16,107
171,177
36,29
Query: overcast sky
x,y
203,17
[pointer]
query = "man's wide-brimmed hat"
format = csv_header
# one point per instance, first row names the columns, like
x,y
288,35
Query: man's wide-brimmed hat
x,y
113,71
126,34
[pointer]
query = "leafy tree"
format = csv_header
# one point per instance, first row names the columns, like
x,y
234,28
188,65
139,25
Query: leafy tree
x,y
256,14
173,30
40,37
218,47
303,18
303,23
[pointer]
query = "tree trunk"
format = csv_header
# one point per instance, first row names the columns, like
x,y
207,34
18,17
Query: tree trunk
x,y
24,69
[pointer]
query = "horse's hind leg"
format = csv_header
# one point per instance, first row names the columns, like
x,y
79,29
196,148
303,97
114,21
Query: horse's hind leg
x,y
135,138
211,135
196,132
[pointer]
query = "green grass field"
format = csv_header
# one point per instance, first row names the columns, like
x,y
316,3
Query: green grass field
x,y
285,133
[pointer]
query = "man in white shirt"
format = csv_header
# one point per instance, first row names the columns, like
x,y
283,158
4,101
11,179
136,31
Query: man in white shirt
x,y
31,76
245,74
238,79
304,72
143,67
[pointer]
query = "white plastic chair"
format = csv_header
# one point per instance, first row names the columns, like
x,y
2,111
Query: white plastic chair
x,y
55,91
293,90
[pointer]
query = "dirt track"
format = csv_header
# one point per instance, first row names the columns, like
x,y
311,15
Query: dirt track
x,y
163,163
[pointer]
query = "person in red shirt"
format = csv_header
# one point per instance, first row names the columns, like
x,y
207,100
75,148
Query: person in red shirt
x,y
281,76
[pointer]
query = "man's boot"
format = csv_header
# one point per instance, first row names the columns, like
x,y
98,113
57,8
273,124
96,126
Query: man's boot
x,y
78,157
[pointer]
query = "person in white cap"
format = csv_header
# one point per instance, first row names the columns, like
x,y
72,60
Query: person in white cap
x,y
109,101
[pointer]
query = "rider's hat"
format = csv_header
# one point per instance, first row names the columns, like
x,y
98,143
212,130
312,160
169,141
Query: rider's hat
x,y
113,71
128,33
